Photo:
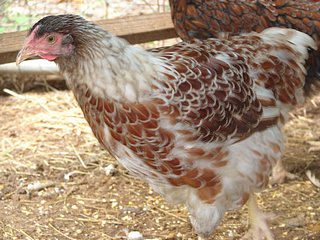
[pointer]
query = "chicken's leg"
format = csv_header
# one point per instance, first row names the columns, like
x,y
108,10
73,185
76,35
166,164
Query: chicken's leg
x,y
280,174
259,228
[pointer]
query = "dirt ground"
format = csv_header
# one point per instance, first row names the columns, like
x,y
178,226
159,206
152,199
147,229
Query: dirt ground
x,y
55,181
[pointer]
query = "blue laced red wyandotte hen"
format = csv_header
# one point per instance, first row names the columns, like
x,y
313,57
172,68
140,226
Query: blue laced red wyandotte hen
x,y
201,122
203,19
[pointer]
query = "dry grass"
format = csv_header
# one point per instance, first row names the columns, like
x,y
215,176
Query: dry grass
x,y
53,181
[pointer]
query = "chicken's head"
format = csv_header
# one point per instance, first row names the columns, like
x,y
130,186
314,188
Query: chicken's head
x,y
48,39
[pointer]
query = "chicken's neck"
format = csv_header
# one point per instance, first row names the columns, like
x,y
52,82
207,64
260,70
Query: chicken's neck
x,y
111,68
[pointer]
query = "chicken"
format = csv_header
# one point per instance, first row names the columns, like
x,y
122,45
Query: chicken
x,y
201,122
204,19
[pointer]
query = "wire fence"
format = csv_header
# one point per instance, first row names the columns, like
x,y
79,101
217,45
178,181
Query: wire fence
x,y
16,15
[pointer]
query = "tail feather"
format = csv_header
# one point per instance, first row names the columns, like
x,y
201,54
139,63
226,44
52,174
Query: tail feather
x,y
301,42
307,47
312,84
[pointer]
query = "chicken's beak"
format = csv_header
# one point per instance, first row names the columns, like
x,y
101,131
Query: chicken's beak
x,y
25,53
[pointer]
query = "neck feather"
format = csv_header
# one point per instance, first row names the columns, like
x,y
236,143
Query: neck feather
x,y
111,67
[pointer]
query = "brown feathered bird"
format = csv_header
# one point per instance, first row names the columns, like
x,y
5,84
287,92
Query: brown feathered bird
x,y
201,122
205,19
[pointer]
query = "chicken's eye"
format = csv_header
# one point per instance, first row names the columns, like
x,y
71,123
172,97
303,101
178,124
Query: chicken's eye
x,y
51,39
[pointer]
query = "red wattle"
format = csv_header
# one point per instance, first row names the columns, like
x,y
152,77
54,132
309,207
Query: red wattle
x,y
49,57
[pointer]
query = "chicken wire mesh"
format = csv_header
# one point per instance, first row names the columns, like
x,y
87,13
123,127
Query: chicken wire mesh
x,y
21,14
